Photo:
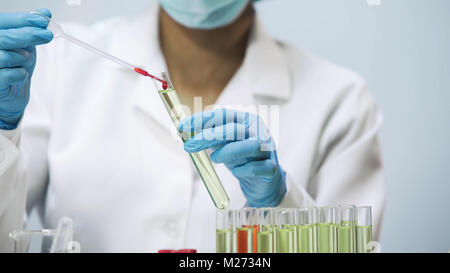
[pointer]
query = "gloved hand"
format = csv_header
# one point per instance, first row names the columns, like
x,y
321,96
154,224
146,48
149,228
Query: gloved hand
x,y
19,34
242,142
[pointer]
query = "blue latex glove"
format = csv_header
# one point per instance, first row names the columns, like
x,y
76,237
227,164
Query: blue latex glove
x,y
242,142
19,34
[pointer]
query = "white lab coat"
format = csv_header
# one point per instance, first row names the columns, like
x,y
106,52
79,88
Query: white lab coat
x,y
96,144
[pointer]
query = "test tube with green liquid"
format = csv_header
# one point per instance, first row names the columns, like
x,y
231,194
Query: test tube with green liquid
x,y
244,230
326,230
225,225
201,159
267,226
307,230
347,229
364,229
286,231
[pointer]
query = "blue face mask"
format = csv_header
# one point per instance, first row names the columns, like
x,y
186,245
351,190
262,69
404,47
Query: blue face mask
x,y
204,14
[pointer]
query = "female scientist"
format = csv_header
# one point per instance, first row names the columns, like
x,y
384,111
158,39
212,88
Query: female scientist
x,y
84,138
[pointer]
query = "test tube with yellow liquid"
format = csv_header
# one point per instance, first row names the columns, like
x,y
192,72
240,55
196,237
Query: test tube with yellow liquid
x,y
326,230
200,159
286,231
346,229
266,233
225,229
364,229
307,230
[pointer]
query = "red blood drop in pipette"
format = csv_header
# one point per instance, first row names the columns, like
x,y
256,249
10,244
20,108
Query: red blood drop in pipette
x,y
145,73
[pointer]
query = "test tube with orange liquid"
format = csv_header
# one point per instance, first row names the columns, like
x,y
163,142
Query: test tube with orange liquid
x,y
245,230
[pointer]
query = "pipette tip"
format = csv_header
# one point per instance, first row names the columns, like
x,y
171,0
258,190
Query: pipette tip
x,y
145,73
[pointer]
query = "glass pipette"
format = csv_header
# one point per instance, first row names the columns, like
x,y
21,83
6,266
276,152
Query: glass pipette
x,y
58,32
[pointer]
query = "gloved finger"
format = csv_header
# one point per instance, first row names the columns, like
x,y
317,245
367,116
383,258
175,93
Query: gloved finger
x,y
29,66
10,76
24,19
14,58
240,152
215,148
45,12
24,37
213,118
213,137
264,168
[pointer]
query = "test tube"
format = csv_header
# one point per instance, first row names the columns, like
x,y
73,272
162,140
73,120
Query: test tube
x,y
347,229
245,230
225,225
286,232
256,221
63,237
201,159
326,230
267,226
364,229
307,230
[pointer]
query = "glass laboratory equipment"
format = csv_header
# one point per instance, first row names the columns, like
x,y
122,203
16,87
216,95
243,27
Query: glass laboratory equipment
x,y
201,159
255,229
286,232
225,229
47,240
364,229
346,229
266,231
245,223
326,230
307,230
58,32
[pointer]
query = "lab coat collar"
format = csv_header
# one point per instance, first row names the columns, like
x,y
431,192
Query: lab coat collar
x,y
264,71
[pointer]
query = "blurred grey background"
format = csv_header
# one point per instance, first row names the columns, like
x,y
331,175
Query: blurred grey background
x,y
402,48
